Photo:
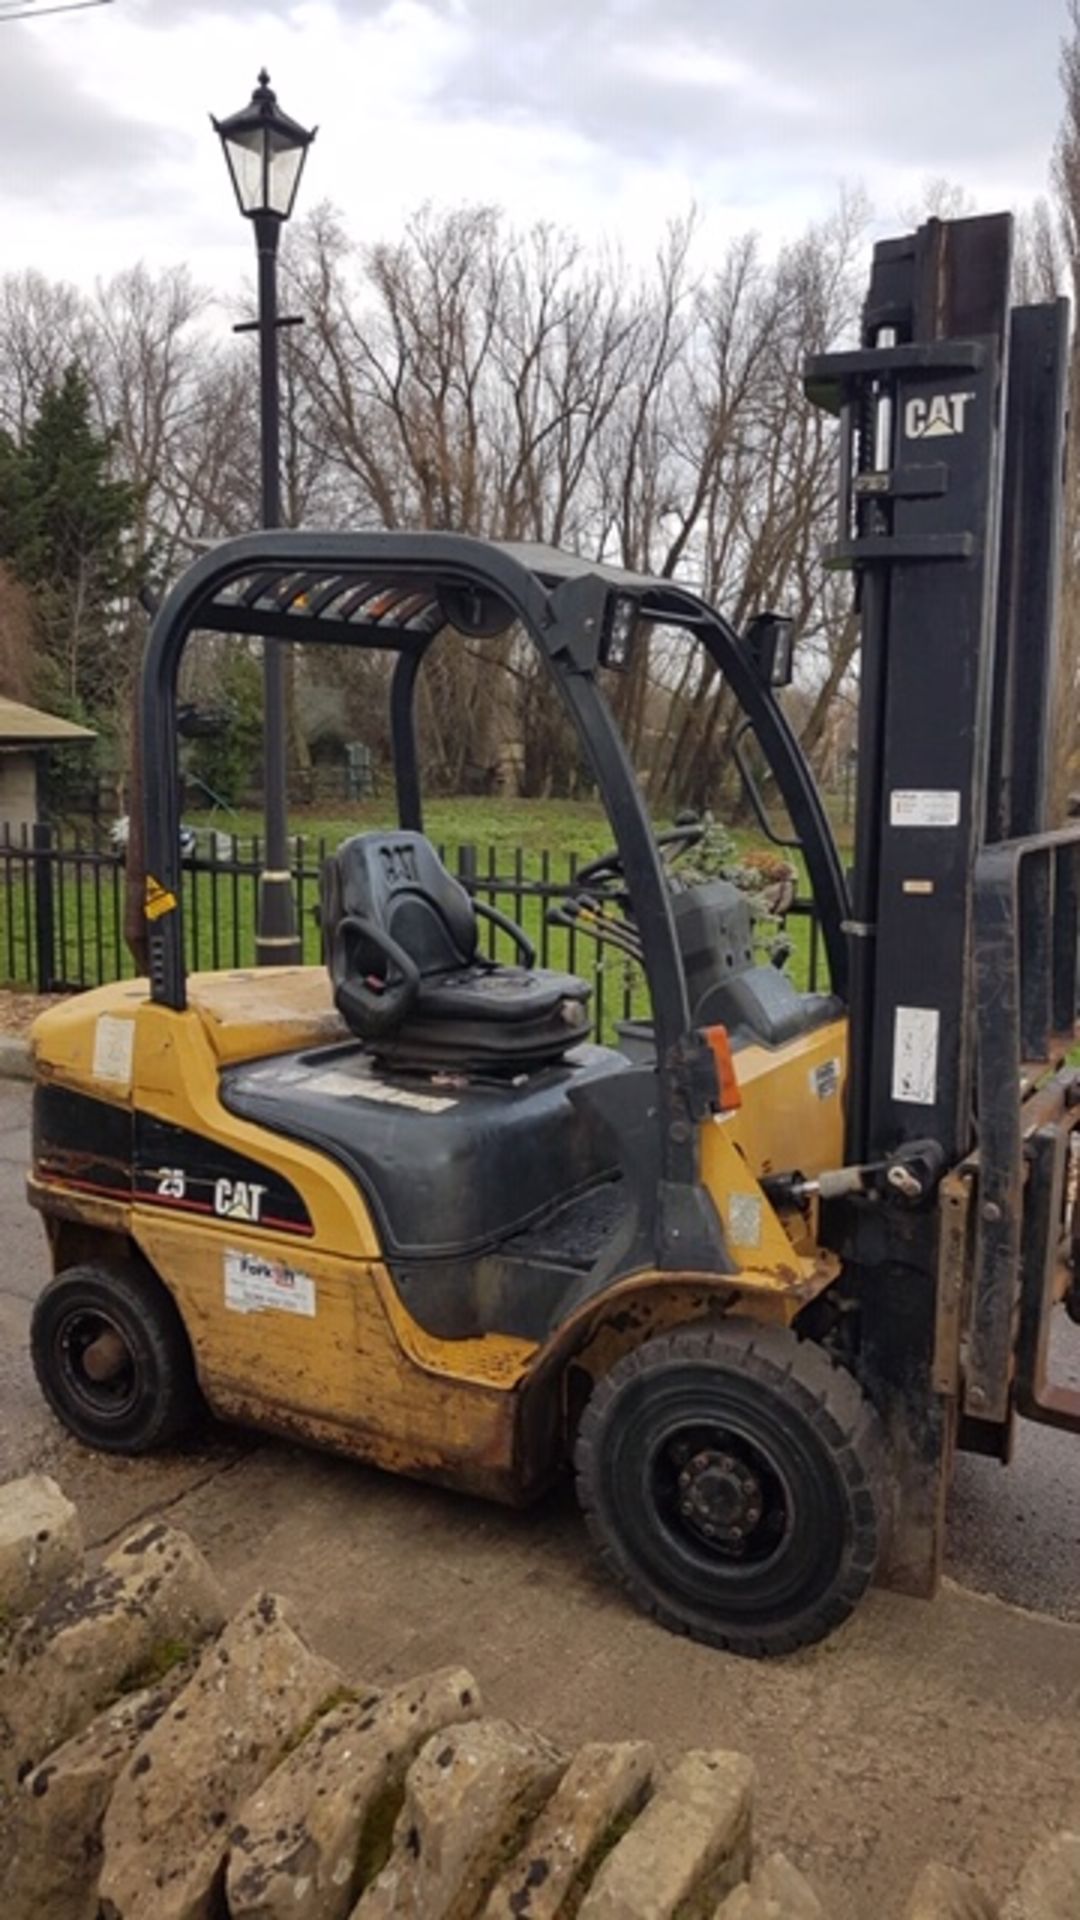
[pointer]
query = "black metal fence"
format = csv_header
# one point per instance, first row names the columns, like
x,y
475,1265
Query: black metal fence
x,y
62,912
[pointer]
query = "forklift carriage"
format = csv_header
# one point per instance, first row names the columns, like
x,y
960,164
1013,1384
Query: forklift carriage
x,y
762,1269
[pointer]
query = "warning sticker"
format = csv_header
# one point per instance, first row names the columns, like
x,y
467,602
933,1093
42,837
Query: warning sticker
x,y
342,1086
825,1079
924,807
255,1285
744,1219
158,900
915,1055
114,1050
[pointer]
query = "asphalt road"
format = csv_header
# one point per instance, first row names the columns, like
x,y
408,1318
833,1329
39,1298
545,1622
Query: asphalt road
x,y
947,1730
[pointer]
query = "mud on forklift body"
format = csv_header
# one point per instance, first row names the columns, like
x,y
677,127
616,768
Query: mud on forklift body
x,y
757,1277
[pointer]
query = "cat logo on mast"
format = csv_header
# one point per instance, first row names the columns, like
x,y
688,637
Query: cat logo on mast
x,y
941,414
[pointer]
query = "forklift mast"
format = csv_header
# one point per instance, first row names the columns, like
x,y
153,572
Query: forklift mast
x,y
950,500
963,929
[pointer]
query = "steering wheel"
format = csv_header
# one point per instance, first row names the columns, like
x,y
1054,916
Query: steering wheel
x,y
609,866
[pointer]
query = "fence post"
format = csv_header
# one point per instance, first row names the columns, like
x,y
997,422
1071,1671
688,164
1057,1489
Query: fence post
x,y
43,906
466,865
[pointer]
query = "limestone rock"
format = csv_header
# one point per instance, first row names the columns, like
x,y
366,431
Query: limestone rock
x,y
166,1831
469,1798
775,1891
306,1842
599,1794
40,1543
690,1846
1049,1887
943,1894
152,1601
60,1807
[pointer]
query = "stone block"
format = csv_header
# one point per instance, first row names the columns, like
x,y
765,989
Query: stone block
x,y
152,1601
56,1858
307,1842
470,1798
775,1891
601,1792
690,1846
40,1544
253,1695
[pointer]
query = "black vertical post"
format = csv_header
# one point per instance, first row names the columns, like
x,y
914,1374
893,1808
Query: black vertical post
x,y
276,941
1020,773
926,516
44,927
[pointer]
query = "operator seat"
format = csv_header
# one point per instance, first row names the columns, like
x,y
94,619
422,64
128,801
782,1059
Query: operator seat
x,y
400,938
758,1004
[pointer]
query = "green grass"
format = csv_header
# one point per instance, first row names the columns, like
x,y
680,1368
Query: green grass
x,y
531,843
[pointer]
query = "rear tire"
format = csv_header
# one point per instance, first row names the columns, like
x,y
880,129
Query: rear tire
x,y
112,1358
734,1482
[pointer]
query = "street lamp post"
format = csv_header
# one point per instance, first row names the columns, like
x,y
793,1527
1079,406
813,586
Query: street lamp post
x,y
265,151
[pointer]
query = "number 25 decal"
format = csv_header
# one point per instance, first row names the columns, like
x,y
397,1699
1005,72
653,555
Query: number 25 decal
x,y
172,1183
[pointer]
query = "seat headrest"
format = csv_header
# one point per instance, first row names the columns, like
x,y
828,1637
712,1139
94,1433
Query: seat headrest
x,y
397,882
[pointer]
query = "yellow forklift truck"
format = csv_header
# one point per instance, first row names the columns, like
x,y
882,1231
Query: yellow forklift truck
x,y
758,1271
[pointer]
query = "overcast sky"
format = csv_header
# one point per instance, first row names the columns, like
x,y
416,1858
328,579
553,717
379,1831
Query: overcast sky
x,y
606,115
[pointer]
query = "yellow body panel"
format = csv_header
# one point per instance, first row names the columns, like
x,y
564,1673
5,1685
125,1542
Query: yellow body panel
x,y
358,1373
342,1375
792,1113
174,1076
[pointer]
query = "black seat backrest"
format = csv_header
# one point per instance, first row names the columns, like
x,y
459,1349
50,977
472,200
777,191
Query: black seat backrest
x,y
396,884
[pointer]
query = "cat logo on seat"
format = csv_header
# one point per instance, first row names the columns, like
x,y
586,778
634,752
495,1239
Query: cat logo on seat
x,y
399,864
238,1200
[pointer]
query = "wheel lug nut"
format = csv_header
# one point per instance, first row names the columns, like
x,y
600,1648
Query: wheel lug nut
x,y
709,1532
686,1508
684,1479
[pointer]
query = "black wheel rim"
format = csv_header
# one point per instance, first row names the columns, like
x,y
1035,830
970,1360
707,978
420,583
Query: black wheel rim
x,y
105,1399
718,1490
785,1556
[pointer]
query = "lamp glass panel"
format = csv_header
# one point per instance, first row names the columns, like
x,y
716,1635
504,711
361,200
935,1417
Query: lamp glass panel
x,y
245,157
283,170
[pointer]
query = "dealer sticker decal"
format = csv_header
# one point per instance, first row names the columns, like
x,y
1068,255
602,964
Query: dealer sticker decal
x,y
924,807
256,1285
114,1050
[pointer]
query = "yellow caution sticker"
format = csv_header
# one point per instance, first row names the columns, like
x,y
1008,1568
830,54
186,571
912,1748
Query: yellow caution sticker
x,y
159,900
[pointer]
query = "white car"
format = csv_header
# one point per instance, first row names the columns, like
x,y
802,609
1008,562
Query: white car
x,y
219,846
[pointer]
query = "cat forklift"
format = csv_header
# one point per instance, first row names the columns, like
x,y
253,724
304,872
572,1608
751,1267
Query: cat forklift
x,y
756,1274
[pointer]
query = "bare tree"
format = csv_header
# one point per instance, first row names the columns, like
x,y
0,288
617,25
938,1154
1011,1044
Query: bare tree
x,y
42,330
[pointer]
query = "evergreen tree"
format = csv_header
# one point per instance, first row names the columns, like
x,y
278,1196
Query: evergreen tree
x,y
65,534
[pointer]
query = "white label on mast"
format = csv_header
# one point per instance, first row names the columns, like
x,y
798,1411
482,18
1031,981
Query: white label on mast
x,y
915,1055
923,807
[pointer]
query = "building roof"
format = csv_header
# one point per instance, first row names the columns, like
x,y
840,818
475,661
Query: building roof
x,y
28,727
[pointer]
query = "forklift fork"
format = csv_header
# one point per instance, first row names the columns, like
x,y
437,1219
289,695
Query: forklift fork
x,y
1025,918
1037,1396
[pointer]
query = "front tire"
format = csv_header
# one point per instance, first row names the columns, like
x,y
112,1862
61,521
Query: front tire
x,y
112,1358
733,1480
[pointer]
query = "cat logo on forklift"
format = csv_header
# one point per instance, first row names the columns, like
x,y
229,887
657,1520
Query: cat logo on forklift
x,y
941,414
233,1199
238,1199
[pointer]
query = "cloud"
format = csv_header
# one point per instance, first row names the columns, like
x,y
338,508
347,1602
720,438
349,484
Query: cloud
x,y
61,145
605,115
927,84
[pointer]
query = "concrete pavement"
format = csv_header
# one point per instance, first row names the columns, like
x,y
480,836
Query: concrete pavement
x,y
948,1730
